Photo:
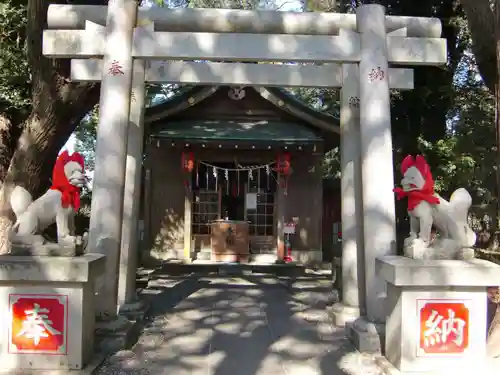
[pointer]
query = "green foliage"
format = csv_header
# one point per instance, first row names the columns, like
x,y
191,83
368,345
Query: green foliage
x,y
158,93
331,164
159,3
14,68
86,135
228,4
465,157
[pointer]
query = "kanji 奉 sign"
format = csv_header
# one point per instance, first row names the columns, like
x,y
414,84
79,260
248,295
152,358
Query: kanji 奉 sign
x,y
444,327
38,324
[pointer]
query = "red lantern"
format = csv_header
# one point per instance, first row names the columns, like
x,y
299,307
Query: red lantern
x,y
187,161
187,165
283,164
284,168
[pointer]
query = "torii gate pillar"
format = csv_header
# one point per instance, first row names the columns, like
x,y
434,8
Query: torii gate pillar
x,y
353,290
379,217
127,296
111,150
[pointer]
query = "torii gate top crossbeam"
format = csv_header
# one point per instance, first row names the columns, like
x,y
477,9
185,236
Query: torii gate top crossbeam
x,y
242,21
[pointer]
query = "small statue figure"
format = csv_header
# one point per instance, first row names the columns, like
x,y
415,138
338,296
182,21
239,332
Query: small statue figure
x,y
58,205
426,208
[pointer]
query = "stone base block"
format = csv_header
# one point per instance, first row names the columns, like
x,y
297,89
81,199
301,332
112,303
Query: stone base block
x,y
436,312
231,257
307,257
263,258
342,314
136,310
365,335
90,368
488,367
48,313
119,333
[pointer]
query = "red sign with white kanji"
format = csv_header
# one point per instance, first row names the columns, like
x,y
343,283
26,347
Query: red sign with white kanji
x,y
39,323
444,326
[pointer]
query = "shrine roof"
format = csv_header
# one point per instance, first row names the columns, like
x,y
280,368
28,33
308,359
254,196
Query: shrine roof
x,y
190,96
228,130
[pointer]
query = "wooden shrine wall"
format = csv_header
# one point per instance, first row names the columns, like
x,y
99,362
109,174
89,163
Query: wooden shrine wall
x,y
305,201
165,214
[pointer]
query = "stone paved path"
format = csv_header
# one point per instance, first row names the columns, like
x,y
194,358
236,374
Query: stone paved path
x,y
241,325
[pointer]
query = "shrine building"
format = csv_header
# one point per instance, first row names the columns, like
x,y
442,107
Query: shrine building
x,y
230,172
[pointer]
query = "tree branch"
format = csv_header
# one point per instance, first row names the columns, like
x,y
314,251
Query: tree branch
x,y
58,105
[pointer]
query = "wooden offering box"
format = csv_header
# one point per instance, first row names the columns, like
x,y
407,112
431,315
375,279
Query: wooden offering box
x,y
230,241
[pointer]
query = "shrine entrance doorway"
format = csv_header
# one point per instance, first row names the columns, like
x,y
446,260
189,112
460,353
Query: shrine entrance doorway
x,y
231,192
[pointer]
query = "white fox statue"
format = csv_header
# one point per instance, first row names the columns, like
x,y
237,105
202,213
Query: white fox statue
x,y
426,208
58,205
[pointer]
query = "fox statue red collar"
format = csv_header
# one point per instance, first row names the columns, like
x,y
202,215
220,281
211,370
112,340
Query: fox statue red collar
x,y
415,197
427,191
70,194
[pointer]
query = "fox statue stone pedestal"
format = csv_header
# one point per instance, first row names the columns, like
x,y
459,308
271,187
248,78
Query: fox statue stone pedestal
x,y
47,311
454,239
436,315
436,293
46,289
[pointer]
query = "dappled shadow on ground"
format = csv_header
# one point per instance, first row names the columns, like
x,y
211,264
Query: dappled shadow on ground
x,y
245,325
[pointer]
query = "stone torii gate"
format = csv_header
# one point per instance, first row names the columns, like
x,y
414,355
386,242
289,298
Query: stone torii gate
x,y
114,41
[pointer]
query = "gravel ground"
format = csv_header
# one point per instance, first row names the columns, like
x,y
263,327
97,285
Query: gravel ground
x,y
240,325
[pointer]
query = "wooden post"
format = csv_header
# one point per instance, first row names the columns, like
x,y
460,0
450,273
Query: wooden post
x,y
188,221
147,209
280,213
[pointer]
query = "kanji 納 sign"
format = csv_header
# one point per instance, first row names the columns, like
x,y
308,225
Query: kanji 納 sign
x,y
38,323
376,75
444,326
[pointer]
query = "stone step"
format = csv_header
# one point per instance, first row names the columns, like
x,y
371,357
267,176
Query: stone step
x,y
263,257
207,267
204,255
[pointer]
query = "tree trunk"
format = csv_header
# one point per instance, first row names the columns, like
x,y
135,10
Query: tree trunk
x,y
494,328
484,27
481,22
493,343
